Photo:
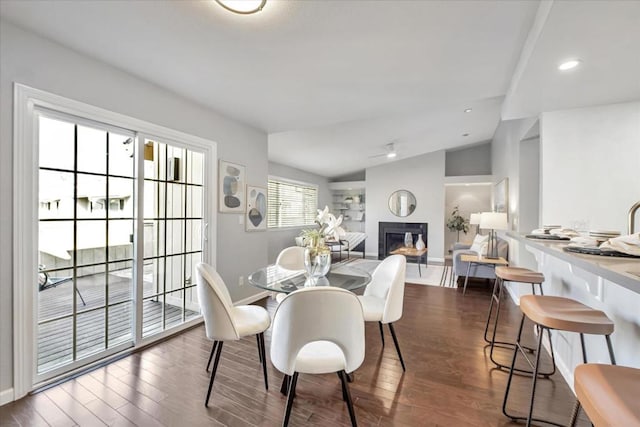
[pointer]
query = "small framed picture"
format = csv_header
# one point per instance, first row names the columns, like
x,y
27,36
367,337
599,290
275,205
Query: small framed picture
x,y
256,216
231,187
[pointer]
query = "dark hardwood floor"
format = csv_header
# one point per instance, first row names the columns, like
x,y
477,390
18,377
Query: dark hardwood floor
x,y
450,380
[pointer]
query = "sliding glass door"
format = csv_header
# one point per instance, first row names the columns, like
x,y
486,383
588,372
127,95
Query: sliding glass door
x,y
90,262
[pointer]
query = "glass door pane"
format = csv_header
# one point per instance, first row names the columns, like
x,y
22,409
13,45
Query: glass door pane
x,y
173,218
85,243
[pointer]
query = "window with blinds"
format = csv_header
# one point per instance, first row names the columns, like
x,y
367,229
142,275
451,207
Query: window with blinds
x,y
291,204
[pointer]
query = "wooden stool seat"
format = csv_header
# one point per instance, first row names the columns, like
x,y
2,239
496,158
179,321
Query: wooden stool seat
x,y
565,314
609,394
519,274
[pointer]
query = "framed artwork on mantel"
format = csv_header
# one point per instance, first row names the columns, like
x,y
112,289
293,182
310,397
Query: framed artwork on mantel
x,y
501,196
231,187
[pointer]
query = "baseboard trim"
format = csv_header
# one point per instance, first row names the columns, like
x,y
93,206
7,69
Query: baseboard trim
x,y
6,396
253,298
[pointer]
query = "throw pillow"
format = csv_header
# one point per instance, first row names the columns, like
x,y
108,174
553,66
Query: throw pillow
x,y
479,244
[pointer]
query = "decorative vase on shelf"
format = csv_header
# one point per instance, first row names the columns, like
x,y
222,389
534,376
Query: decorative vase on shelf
x,y
420,243
408,240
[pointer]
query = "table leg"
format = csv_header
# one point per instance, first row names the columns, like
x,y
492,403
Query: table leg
x,y
419,270
466,279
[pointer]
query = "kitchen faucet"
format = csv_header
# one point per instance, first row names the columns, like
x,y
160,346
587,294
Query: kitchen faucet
x,y
632,217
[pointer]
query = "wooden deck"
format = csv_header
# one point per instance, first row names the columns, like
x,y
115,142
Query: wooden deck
x,y
55,338
450,380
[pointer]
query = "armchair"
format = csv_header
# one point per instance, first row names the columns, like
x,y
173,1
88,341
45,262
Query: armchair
x,y
480,271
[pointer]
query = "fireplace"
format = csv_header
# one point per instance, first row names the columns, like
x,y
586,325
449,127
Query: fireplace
x,y
391,236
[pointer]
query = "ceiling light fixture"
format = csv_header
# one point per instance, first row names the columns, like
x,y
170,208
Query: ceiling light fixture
x,y
465,134
568,65
468,110
243,7
391,148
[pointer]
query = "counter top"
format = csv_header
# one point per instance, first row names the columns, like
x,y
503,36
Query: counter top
x,y
623,271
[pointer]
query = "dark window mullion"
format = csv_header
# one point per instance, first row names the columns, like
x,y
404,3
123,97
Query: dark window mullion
x,y
75,245
106,268
184,233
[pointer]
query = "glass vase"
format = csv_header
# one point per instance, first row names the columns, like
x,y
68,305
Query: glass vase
x,y
408,240
317,261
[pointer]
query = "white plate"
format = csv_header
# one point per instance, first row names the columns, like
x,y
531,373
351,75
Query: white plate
x,y
605,232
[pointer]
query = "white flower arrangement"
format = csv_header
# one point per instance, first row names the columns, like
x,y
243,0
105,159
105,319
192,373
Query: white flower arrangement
x,y
329,228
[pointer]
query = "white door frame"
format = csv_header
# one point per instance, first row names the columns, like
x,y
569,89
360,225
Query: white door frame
x,y
25,211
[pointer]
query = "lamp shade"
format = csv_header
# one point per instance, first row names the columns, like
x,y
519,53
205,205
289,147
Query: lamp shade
x,y
475,219
494,221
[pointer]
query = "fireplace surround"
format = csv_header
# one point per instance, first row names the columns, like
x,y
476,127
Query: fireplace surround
x,y
391,236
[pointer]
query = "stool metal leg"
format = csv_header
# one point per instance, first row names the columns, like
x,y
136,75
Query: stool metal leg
x,y
534,377
499,284
610,347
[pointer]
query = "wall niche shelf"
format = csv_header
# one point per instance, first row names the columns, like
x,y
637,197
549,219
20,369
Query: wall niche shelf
x,y
348,200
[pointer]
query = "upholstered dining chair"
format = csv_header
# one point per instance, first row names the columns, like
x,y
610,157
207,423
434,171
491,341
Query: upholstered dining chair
x,y
225,322
382,298
317,331
291,258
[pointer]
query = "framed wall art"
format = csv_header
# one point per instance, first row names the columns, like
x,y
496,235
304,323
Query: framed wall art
x,y
231,187
256,216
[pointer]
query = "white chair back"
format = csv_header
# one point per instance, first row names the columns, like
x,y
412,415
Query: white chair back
x,y
291,258
387,282
216,304
317,314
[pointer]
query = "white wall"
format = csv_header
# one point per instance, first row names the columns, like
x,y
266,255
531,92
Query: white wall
x,y
505,160
37,62
590,165
469,199
282,238
424,177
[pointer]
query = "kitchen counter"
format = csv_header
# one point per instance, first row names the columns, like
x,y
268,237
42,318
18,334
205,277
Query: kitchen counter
x,y
622,271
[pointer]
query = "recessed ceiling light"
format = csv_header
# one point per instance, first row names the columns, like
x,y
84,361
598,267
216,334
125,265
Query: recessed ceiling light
x,y
391,155
568,65
243,7
465,134
468,110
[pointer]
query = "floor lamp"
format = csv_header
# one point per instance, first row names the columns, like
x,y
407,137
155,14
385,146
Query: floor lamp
x,y
475,220
493,221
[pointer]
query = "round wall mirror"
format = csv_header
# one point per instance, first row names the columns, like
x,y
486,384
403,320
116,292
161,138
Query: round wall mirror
x,y
402,203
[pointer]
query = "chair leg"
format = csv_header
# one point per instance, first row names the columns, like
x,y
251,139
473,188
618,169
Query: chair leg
x,y
395,341
213,350
610,347
213,372
381,333
345,391
80,295
284,388
263,358
259,348
574,414
292,390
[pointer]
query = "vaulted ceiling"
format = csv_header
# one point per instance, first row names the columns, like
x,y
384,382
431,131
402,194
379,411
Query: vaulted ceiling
x,y
333,82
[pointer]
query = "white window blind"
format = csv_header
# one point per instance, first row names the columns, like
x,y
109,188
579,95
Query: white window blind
x,y
291,204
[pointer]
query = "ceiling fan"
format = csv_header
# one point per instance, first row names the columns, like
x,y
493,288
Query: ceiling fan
x,y
390,152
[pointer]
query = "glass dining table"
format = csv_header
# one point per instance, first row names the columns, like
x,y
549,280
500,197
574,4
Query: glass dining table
x,y
279,279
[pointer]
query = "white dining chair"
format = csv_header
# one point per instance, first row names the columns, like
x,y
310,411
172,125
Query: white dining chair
x,y
225,322
291,258
382,298
317,331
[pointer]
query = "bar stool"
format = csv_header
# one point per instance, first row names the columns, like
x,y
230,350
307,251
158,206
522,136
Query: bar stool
x,y
608,394
516,275
563,314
